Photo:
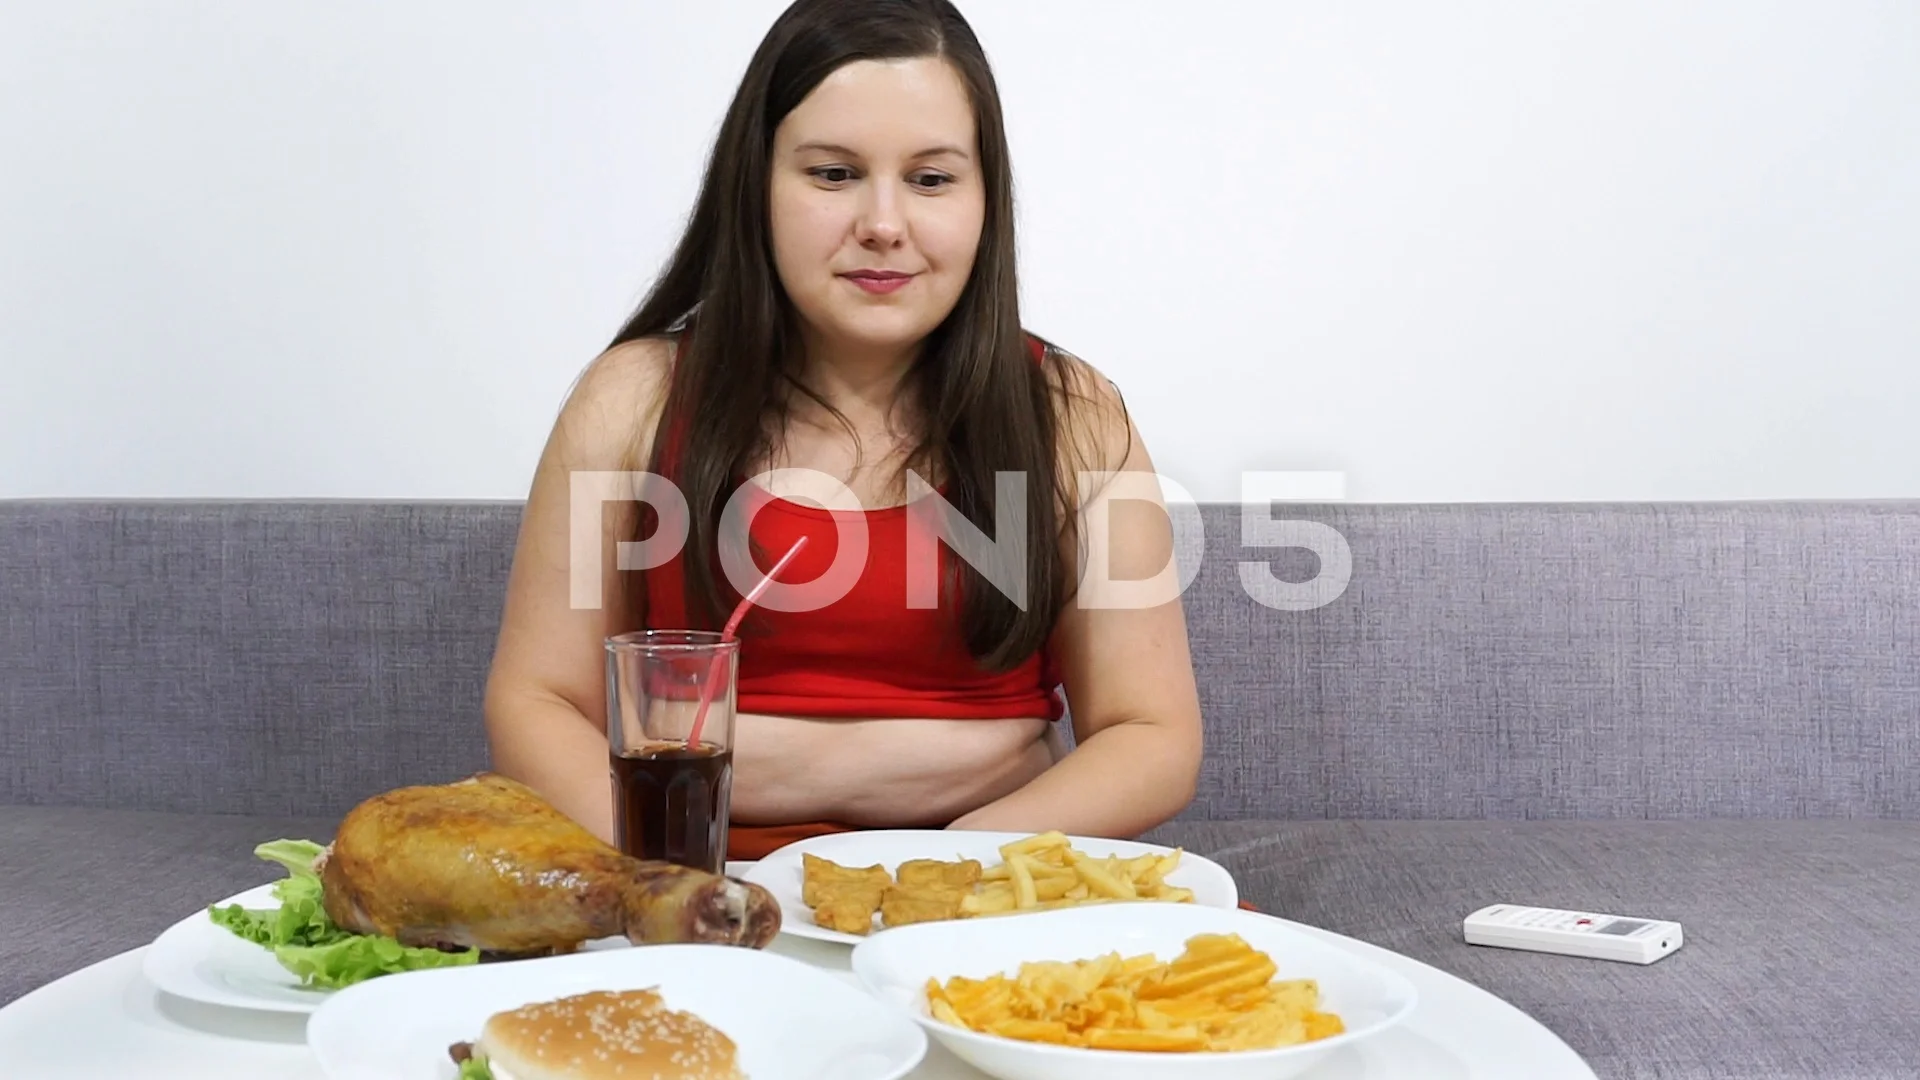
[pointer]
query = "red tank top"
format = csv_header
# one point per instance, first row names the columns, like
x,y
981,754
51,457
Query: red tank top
x,y
867,654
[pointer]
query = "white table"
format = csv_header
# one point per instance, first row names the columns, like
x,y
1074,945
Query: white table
x,y
108,1021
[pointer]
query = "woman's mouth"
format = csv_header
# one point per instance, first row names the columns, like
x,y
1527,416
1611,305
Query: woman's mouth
x,y
879,282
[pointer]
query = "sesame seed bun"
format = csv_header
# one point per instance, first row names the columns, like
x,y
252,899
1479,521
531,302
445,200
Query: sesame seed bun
x,y
606,1035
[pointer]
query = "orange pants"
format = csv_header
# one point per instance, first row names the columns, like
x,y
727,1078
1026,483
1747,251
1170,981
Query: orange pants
x,y
760,841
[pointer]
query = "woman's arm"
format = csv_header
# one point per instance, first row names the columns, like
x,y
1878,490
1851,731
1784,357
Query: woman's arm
x,y
546,692
1128,674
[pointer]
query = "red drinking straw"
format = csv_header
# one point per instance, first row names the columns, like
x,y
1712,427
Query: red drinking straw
x,y
733,624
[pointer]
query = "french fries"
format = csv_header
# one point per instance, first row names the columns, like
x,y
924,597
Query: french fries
x,y
1045,871
1221,994
1036,873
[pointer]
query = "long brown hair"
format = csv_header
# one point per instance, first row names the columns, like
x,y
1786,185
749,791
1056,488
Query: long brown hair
x,y
985,405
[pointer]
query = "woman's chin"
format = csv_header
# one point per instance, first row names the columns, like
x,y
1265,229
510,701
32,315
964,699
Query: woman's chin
x,y
876,331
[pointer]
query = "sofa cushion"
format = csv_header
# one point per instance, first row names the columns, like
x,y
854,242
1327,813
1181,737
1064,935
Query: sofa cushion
x,y
244,658
1799,962
1504,661
81,885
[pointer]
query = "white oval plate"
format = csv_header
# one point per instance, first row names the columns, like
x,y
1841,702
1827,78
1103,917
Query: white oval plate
x,y
790,1020
782,872
199,960
895,966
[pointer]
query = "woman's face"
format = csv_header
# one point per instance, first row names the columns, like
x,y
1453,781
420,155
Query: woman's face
x,y
877,202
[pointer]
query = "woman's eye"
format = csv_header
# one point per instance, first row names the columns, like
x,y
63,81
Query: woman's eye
x,y
834,174
931,181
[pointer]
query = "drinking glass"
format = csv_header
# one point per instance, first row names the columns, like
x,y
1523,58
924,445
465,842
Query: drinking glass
x,y
671,795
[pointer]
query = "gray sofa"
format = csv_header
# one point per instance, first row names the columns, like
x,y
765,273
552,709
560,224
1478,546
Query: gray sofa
x,y
1708,712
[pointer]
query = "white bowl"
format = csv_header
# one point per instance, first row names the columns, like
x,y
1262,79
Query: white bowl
x,y
896,966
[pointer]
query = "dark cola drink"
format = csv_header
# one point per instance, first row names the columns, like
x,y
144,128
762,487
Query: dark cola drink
x,y
670,804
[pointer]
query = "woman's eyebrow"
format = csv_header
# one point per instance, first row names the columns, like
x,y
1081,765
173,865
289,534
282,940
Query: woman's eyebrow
x,y
939,151
835,148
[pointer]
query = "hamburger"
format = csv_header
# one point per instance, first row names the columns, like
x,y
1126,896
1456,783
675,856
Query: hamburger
x,y
603,1035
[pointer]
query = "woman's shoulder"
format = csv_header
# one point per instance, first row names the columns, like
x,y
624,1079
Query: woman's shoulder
x,y
632,369
1073,374
1096,430
614,405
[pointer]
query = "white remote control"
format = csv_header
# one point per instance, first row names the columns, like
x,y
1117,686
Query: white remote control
x,y
1573,933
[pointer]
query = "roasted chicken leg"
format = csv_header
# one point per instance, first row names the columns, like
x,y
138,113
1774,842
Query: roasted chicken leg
x,y
485,862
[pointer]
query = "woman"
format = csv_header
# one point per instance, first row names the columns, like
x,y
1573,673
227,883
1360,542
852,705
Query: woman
x,y
843,307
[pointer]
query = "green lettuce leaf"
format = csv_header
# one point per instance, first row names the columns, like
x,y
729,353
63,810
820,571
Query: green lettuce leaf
x,y
474,1069
305,940
297,856
358,957
299,920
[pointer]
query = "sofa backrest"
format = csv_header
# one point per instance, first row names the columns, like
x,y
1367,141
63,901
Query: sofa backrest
x,y
1483,661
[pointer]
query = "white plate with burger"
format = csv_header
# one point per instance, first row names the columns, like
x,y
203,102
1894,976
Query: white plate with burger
x,y
685,1012
844,887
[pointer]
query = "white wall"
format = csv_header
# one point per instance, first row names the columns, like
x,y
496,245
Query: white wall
x,y
1468,251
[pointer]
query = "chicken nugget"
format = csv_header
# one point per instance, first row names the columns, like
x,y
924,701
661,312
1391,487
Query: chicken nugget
x,y
819,877
902,905
848,913
924,872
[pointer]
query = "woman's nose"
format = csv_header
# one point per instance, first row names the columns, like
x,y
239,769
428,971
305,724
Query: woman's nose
x,y
881,223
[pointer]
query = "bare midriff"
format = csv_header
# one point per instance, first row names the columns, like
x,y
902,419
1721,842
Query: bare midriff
x,y
891,773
